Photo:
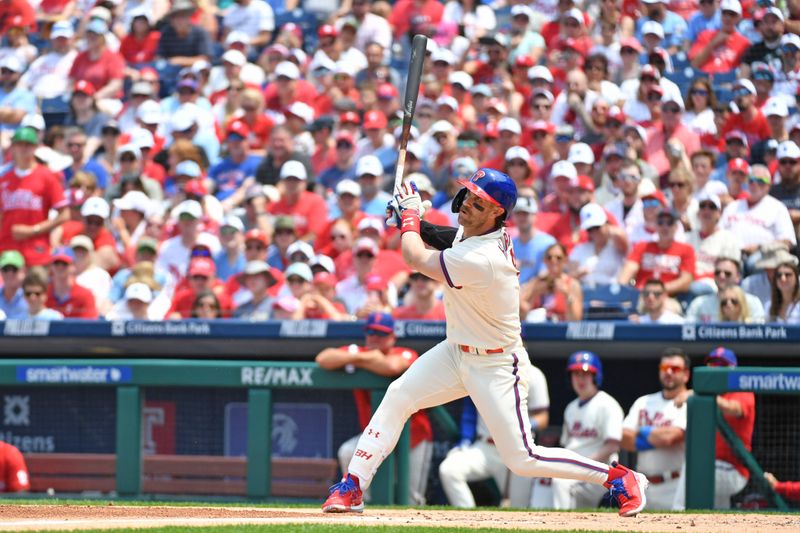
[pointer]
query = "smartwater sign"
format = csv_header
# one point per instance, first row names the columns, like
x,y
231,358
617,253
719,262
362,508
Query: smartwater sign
x,y
74,374
765,382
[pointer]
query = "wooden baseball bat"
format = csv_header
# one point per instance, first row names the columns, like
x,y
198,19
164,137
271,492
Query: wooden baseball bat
x,y
418,47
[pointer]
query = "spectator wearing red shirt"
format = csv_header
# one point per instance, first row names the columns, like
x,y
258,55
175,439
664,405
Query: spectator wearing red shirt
x,y
288,88
415,16
721,50
749,120
10,9
308,209
660,136
381,356
141,42
103,68
13,470
63,294
664,259
27,193
420,301
94,212
201,277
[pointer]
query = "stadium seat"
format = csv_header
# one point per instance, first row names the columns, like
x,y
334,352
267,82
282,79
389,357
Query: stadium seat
x,y
724,79
54,110
610,302
724,96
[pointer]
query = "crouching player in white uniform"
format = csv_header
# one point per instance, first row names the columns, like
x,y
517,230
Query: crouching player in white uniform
x,y
592,427
656,428
476,457
482,356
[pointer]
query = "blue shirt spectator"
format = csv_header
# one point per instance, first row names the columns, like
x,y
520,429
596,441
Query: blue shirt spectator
x,y
698,23
675,29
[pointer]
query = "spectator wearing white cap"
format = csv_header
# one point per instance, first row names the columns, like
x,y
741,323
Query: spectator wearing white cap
x,y
175,252
230,259
581,155
749,119
721,50
776,111
530,243
710,242
369,174
662,136
788,189
88,274
130,221
15,100
135,305
599,261
307,208
354,290
772,28
253,18
95,214
562,174
674,26
344,205
48,75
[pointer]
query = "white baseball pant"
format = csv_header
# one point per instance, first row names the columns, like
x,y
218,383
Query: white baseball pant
x,y
572,494
443,374
727,482
419,466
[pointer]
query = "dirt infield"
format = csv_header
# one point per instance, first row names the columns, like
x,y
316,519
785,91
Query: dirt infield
x,y
62,517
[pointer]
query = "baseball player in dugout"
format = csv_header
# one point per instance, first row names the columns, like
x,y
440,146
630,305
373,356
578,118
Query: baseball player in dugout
x,y
482,356
381,356
13,470
739,411
655,428
592,427
476,458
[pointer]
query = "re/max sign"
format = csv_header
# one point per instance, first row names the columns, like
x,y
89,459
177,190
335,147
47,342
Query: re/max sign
x,y
277,376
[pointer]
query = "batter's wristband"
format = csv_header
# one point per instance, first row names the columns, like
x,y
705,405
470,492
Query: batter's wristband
x,y
642,443
409,221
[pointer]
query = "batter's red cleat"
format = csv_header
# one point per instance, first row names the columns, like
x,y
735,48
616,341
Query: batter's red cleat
x,y
345,497
627,488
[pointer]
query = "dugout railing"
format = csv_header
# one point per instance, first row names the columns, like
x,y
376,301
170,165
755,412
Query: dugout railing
x,y
259,378
705,419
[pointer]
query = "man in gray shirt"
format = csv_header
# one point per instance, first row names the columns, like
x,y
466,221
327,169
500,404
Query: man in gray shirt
x,y
727,273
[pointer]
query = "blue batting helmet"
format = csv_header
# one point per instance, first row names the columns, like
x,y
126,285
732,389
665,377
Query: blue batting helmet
x,y
587,362
721,357
491,185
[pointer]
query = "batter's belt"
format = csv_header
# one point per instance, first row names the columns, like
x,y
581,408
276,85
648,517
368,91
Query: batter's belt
x,y
658,479
479,351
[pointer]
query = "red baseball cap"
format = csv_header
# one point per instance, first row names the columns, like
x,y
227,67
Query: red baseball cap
x,y
327,30
202,266
349,117
375,283
650,70
345,136
583,182
631,42
387,91
658,195
543,125
739,164
374,119
237,127
195,187
524,61
256,235
85,87
615,113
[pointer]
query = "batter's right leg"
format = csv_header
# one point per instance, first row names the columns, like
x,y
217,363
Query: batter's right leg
x,y
432,380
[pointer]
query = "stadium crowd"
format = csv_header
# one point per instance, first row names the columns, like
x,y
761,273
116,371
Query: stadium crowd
x,y
185,159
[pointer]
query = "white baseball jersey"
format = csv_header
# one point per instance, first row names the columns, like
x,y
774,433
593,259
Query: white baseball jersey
x,y
654,410
538,397
764,222
485,316
587,425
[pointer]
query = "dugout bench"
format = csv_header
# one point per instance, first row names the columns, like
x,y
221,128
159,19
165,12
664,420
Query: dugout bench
x,y
179,474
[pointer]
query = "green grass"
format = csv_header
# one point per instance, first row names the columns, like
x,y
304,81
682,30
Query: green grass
x,y
330,528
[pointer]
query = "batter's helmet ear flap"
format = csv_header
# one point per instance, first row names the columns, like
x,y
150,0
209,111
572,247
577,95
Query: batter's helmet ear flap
x,y
458,200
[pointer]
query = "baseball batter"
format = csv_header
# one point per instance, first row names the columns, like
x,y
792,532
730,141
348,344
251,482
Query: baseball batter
x,y
656,428
592,427
476,457
482,356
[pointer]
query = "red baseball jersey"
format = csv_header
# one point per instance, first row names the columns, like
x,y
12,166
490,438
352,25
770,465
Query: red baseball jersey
x,y
79,304
742,426
420,424
310,213
664,264
27,200
13,470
